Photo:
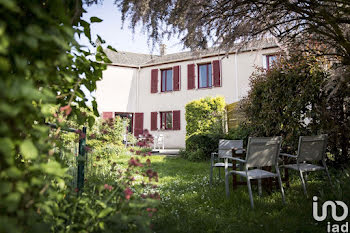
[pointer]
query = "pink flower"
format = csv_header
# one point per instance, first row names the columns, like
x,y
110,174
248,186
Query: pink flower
x,y
66,109
128,193
135,163
108,187
154,196
152,174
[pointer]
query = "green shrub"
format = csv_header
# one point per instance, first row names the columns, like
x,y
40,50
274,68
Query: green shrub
x,y
108,150
205,115
242,132
46,76
205,121
298,97
200,146
283,99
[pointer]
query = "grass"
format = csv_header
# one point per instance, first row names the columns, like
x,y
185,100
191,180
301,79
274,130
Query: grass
x,y
189,204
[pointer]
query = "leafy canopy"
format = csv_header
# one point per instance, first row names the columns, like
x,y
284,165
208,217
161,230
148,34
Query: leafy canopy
x,y
224,22
44,72
291,100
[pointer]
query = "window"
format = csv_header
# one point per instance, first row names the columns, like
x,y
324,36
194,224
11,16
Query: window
x,y
270,61
166,120
167,80
204,75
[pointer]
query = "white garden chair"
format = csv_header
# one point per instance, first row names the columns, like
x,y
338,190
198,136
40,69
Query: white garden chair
x,y
158,142
311,149
261,152
224,150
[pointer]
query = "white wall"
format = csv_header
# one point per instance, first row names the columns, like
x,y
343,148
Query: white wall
x,y
232,72
117,91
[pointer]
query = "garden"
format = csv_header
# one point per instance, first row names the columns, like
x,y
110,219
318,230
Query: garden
x,y
64,169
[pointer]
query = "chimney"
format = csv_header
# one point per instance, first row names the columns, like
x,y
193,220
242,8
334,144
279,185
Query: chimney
x,y
162,49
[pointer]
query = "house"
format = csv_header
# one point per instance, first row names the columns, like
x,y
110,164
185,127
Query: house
x,y
152,90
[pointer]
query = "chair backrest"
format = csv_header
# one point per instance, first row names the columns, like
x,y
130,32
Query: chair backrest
x,y
312,148
160,138
263,151
226,146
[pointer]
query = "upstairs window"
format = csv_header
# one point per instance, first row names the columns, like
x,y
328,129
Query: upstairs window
x,y
270,61
166,120
204,75
167,80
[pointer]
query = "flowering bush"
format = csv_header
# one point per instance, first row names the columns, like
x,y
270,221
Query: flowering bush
x,y
113,195
145,139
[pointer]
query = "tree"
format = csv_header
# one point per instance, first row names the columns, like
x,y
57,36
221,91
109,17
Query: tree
x,y
291,100
223,22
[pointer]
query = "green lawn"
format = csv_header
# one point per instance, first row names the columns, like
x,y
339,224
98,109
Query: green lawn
x,y
189,204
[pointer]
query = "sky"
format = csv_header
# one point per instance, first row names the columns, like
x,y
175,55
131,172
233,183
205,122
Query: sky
x,y
110,30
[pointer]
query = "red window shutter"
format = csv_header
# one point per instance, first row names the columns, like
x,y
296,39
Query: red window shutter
x,y
138,124
154,120
176,78
107,115
190,76
176,120
216,73
154,81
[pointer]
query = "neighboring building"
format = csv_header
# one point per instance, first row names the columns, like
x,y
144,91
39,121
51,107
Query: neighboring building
x,y
152,91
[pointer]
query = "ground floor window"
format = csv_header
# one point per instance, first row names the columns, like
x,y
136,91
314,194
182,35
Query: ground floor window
x,y
166,120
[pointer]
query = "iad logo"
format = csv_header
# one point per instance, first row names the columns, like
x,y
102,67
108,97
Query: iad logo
x,y
333,205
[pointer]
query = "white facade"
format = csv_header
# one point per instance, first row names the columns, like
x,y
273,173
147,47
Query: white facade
x,y
126,89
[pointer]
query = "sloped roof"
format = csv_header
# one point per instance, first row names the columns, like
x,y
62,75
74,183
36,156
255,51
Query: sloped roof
x,y
127,58
143,60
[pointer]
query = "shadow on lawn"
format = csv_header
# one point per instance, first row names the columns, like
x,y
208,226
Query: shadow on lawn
x,y
189,204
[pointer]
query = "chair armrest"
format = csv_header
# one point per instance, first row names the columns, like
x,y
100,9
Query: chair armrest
x,y
234,158
238,148
288,155
238,151
213,154
212,157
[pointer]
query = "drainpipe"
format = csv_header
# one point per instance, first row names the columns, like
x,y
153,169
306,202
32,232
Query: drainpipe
x,y
137,89
236,74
